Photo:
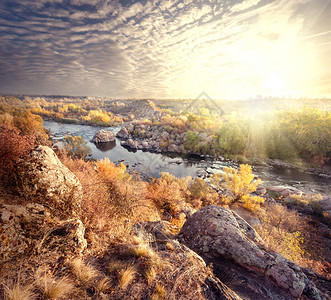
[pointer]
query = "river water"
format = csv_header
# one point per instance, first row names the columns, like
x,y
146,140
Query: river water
x,y
151,164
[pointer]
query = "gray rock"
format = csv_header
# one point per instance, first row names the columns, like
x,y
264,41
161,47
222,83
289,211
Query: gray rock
x,y
145,145
27,229
165,135
285,193
130,143
123,133
216,232
42,178
277,189
104,136
160,235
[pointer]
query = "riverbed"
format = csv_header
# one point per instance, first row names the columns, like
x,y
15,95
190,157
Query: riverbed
x,y
152,164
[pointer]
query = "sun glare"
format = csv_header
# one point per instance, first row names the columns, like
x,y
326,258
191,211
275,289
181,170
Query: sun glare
x,y
274,84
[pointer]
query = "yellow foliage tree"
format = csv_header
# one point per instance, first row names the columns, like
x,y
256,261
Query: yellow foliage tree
x,y
240,183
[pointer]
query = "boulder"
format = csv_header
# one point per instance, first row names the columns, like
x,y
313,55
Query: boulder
x,y
186,265
31,229
123,133
130,143
104,136
165,135
42,178
144,146
260,190
221,236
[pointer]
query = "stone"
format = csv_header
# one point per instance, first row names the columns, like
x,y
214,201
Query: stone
x,y
31,229
277,189
66,236
165,135
162,239
131,144
218,233
104,136
260,192
285,193
145,145
123,133
43,179
173,148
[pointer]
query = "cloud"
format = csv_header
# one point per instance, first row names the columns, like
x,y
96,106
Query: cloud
x,y
162,48
246,4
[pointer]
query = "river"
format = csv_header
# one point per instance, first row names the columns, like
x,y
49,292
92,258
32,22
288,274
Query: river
x,y
151,164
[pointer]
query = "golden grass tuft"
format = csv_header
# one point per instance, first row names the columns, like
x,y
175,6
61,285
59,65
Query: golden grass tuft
x,y
18,292
51,287
159,293
142,250
115,266
126,276
103,285
150,274
84,272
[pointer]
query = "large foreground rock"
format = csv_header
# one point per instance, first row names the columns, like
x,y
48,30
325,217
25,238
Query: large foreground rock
x,y
186,266
224,238
31,229
104,136
42,178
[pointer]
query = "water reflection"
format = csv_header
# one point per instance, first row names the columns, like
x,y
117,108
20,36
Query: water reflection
x,y
104,147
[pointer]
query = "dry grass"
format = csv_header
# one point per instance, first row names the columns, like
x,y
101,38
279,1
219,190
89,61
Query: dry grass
x,y
84,272
126,276
115,266
50,287
103,285
150,274
19,292
142,250
159,293
112,200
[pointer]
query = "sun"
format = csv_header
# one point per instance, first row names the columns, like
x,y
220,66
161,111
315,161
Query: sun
x,y
274,84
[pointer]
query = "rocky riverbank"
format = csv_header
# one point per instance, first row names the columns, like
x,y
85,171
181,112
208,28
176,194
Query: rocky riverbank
x,y
158,138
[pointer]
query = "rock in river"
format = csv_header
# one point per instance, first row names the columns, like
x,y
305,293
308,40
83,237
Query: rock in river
x,y
104,136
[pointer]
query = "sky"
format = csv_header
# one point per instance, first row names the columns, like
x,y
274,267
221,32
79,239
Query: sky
x,y
166,49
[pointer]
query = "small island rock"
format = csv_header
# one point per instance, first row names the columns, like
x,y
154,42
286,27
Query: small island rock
x,y
104,136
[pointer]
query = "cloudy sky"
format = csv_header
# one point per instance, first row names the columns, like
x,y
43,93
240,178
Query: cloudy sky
x,y
166,48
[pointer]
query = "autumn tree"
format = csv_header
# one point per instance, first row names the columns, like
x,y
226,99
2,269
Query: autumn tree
x,y
239,184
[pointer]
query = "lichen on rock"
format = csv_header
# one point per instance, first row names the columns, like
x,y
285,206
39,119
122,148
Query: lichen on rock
x,y
42,178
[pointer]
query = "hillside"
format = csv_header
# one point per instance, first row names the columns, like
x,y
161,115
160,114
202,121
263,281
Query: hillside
x,y
80,229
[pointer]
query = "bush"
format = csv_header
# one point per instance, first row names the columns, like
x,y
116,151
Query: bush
x,y
240,184
281,230
13,145
168,192
201,194
76,146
